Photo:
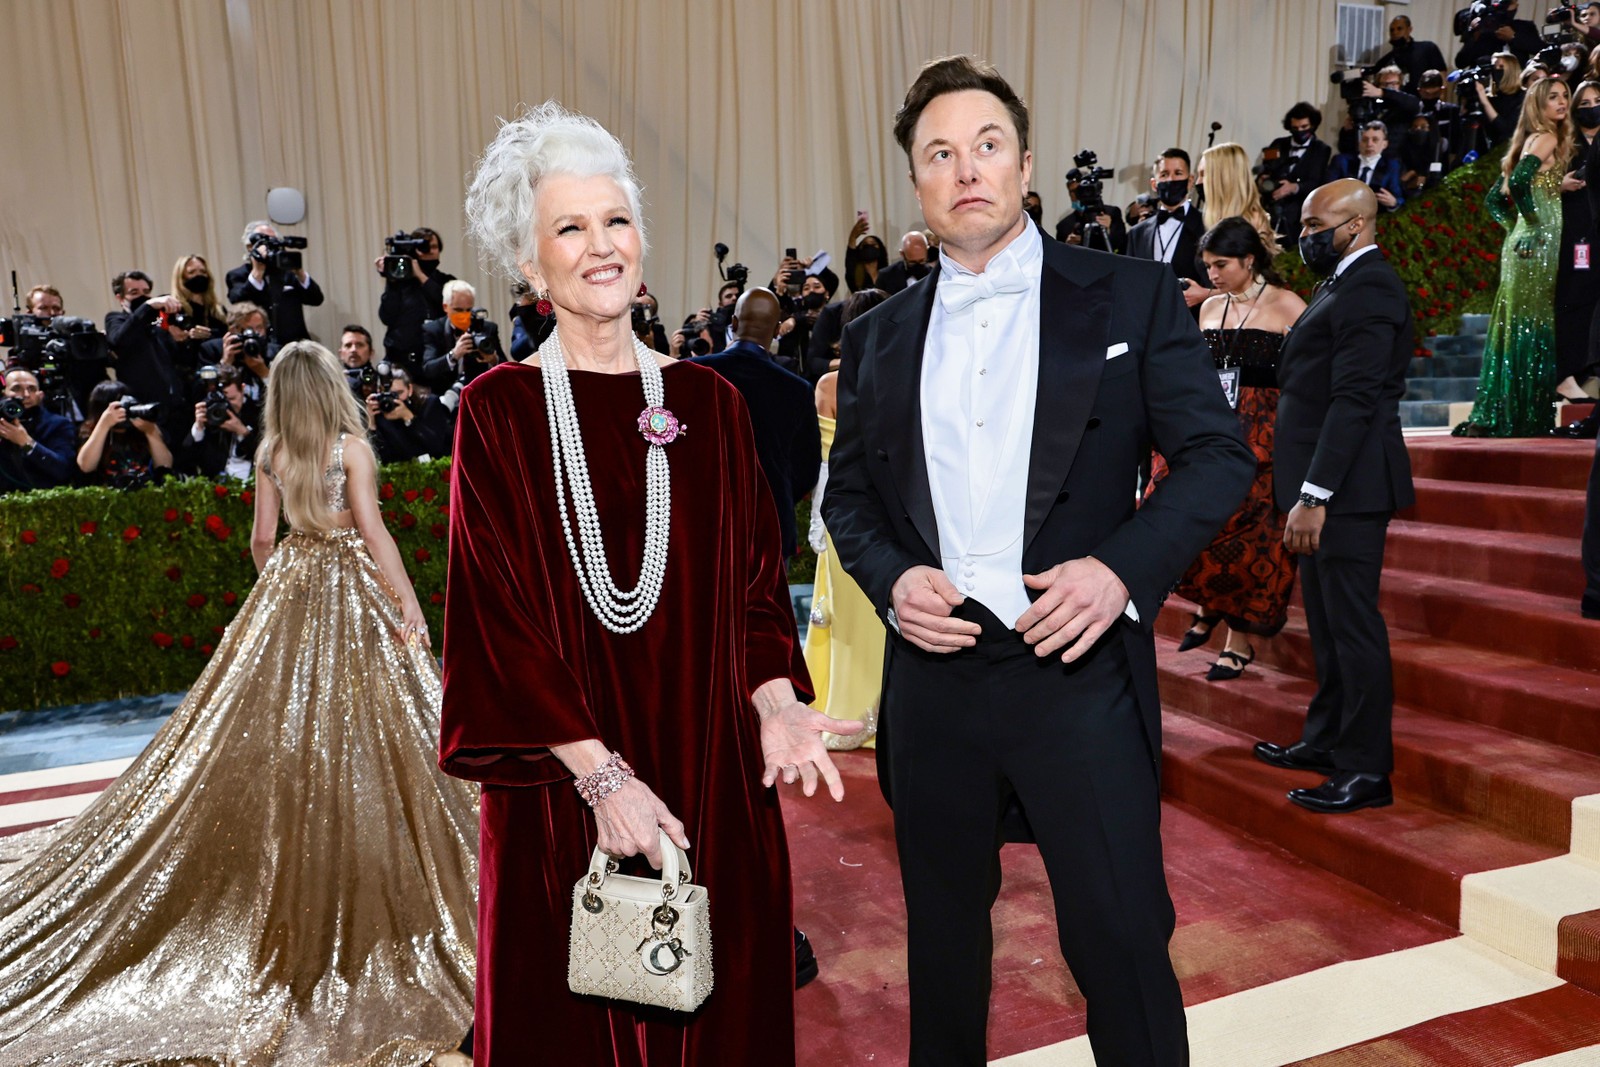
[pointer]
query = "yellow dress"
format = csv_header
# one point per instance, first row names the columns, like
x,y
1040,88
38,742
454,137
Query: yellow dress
x,y
283,876
844,644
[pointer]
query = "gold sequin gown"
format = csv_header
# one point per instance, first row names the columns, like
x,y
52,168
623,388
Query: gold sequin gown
x,y
282,877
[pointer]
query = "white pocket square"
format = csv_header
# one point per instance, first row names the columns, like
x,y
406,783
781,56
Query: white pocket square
x,y
1116,350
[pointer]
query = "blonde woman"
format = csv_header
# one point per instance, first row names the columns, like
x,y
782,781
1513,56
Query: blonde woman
x,y
1502,102
1230,191
1518,380
284,873
196,289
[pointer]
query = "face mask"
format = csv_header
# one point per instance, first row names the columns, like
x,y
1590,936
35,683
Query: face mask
x,y
1199,192
1317,251
1301,137
813,301
917,270
198,284
1588,117
137,302
1172,193
461,320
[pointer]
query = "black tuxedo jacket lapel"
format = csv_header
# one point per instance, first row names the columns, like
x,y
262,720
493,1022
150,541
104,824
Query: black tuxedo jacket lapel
x,y
898,368
1074,323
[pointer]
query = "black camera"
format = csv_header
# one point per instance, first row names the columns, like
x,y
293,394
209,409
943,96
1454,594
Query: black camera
x,y
10,408
252,344
278,253
1487,15
38,341
693,343
150,412
1484,73
641,319
1090,177
1567,13
402,249
482,340
1352,90
217,407
738,273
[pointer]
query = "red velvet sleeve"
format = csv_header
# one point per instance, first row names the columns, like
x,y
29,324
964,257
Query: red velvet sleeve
x,y
772,642
508,694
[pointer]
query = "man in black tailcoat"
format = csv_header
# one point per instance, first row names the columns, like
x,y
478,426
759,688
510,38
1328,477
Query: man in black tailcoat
x,y
1341,471
992,420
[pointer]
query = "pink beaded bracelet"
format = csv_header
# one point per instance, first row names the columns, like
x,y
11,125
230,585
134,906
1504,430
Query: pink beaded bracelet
x,y
604,779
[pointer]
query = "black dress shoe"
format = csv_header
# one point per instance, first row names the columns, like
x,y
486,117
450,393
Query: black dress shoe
x,y
805,960
1222,672
1346,791
1296,757
1194,637
1585,429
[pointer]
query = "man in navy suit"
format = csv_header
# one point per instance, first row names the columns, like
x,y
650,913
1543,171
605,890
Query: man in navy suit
x,y
782,411
1372,167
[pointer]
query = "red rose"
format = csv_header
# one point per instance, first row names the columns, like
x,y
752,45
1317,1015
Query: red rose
x,y
88,528
440,530
196,600
29,537
422,555
1423,293
131,533
389,516
408,520
31,589
428,494
162,640
244,553
386,491
247,497
219,630
72,600
230,598
206,649
59,568
221,491
224,533
410,495
173,573
213,522
188,517
60,668
186,641
436,598
94,631
7,643
1482,284
171,515
444,509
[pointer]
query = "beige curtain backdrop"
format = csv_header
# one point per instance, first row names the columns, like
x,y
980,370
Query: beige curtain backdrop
x,y
134,131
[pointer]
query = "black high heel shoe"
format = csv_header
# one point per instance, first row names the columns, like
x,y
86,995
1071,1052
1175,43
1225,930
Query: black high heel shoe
x,y
1219,673
1193,638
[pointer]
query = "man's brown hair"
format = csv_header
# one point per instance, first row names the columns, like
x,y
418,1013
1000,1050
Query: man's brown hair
x,y
954,74
241,312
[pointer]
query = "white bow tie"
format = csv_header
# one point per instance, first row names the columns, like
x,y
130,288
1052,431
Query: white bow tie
x,y
958,292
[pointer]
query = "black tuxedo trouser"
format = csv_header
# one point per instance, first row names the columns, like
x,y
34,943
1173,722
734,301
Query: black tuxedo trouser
x,y
1591,540
970,727
1351,712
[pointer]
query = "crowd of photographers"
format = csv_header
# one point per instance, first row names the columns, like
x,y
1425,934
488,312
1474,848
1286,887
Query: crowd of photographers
x,y
173,384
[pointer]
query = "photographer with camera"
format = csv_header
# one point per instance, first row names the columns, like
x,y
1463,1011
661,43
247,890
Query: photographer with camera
x,y
1291,166
693,338
413,286
1172,235
462,343
1372,166
1497,87
1410,55
200,314
244,345
38,446
122,445
646,322
144,336
802,297
273,277
1378,99
223,439
1089,209
35,345
1489,26
403,427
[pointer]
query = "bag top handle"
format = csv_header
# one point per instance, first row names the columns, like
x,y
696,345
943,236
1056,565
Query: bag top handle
x,y
674,867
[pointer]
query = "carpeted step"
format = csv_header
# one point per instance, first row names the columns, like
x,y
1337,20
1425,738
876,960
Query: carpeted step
x,y
1448,390
1525,462
1512,693
1521,911
1474,325
1485,506
1578,950
1538,626
1445,365
1539,563
1409,853
1521,786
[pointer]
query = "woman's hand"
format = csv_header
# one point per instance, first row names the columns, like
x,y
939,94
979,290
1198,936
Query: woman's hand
x,y
627,821
112,415
1571,183
413,626
791,740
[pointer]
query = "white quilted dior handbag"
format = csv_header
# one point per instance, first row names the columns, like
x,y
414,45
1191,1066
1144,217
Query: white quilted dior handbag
x,y
642,940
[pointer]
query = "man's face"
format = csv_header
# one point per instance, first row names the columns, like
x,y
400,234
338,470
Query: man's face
x,y
433,248
727,296
813,285
1390,81
355,350
1299,127
134,289
460,300
914,249
969,170
234,392
1430,92
24,386
1169,170
1373,142
48,305
258,323
1399,31
400,388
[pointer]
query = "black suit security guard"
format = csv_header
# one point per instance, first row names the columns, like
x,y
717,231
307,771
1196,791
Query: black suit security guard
x,y
992,420
1341,471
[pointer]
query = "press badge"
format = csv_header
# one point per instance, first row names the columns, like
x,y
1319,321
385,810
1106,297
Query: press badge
x,y
1230,385
1580,256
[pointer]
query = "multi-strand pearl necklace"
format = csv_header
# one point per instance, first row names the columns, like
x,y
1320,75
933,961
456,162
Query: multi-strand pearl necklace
x,y
619,611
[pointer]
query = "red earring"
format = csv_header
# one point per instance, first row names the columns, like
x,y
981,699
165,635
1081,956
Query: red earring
x,y
644,290
543,305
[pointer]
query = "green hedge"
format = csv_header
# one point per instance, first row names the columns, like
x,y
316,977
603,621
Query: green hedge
x,y
1444,245
109,593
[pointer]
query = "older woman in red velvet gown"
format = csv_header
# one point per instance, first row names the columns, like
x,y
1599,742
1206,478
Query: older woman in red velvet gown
x,y
657,669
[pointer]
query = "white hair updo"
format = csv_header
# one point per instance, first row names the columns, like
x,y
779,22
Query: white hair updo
x,y
540,141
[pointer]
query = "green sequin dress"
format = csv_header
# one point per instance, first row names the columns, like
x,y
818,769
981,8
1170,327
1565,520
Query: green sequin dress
x,y
1517,385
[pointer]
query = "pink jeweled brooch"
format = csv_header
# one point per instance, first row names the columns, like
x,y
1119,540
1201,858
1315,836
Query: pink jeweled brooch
x,y
660,426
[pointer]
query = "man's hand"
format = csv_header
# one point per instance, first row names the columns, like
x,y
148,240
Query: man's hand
x,y
1196,293
258,269
791,740
1370,91
234,425
1302,534
1284,189
1506,32
1081,599
463,346
200,422
166,302
372,411
1386,198
1571,183
923,598
15,433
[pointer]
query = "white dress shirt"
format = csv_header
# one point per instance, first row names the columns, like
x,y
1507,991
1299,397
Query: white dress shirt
x,y
1308,487
980,380
1168,232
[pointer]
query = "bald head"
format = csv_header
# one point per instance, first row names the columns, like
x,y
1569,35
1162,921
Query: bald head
x,y
914,247
756,317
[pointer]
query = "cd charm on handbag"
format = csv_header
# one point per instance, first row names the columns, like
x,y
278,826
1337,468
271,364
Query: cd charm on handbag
x,y
642,940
